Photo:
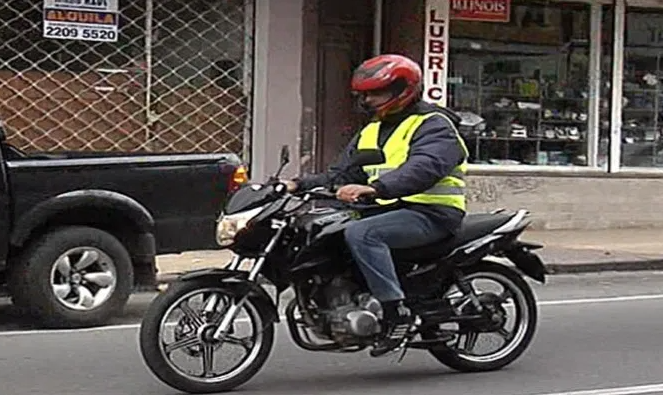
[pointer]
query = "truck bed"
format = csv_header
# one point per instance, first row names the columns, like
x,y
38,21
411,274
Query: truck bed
x,y
183,192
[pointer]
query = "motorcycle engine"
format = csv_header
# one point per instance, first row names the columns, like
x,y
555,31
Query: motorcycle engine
x,y
351,314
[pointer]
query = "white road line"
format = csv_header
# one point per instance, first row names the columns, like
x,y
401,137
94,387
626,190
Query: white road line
x,y
615,299
609,299
636,390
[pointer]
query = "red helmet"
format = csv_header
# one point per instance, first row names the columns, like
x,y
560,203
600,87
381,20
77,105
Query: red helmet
x,y
396,73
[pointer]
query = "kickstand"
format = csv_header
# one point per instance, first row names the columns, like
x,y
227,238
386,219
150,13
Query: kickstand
x,y
402,355
402,349
399,353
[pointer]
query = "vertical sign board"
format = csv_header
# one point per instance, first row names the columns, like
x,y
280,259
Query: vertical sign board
x,y
436,51
86,20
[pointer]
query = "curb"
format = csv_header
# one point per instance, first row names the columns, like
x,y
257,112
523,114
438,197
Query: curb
x,y
170,277
167,278
611,266
552,268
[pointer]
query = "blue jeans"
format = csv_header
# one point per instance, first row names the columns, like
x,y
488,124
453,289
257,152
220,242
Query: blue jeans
x,y
370,240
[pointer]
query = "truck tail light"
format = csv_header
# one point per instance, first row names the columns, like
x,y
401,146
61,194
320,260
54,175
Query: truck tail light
x,y
237,178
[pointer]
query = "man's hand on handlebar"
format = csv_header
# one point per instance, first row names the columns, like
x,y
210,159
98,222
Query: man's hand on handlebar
x,y
290,185
352,192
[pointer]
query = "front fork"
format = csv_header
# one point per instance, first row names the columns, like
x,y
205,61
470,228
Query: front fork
x,y
236,304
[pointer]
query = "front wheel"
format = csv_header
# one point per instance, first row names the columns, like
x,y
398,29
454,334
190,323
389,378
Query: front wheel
x,y
515,300
202,304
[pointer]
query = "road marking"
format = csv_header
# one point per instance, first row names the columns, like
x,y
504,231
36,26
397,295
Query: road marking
x,y
609,299
636,390
107,328
566,302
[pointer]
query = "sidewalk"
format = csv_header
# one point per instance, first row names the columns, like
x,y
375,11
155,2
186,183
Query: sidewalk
x,y
566,251
576,251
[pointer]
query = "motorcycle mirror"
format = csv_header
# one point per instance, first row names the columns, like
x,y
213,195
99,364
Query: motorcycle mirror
x,y
365,157
284,160
285,155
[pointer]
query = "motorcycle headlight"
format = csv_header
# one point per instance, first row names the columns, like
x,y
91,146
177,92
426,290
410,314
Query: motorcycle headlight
x,y
229,225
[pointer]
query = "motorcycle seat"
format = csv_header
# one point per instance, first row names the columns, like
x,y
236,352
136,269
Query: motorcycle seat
x,y
479,225
473,227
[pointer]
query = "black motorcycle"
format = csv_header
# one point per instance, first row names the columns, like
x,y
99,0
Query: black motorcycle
x,y
296,240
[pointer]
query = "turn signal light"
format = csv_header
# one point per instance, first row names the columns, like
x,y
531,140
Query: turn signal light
x,y
240,176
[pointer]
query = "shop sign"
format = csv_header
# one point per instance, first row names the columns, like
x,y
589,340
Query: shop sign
x,y
436,51
85,20
481,10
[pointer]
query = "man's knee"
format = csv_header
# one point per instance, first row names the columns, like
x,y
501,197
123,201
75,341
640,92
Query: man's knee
x,y
356,232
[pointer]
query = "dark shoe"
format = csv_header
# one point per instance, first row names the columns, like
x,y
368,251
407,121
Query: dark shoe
x,y
398,322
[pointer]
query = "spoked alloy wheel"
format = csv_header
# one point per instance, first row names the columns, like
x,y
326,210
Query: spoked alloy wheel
x,y
72,277
83,278
511,321
191,342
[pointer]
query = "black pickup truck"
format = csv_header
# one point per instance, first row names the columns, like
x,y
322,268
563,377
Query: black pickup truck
x,y
79,232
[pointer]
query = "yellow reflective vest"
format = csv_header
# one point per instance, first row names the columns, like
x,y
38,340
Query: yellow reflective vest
x,y
449,191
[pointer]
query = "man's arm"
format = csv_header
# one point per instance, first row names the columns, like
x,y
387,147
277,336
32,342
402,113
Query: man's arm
x,y
353,175
434,152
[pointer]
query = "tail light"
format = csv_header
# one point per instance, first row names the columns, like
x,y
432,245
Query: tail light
x,y
238,177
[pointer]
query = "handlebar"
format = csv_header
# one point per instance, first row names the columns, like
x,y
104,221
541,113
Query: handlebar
x,y
324,194
321,194
364,203
362,206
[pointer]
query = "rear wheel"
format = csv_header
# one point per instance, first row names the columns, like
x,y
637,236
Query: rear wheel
x,y
515,300
72,277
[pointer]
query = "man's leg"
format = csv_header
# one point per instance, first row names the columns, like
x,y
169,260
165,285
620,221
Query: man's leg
x,y
370,241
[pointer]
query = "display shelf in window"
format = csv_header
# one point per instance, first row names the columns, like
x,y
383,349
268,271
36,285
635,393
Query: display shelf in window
x,y
522,115
641,108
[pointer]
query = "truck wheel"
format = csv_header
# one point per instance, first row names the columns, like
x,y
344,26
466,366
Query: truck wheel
x,y
73,277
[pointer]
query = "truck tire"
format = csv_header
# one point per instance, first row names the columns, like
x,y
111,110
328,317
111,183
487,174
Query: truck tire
x,y
72,277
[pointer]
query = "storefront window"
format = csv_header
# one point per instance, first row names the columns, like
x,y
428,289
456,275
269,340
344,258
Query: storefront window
x,y
642,92
523,84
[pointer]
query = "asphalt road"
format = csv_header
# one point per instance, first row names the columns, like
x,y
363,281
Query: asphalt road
x,y
598,335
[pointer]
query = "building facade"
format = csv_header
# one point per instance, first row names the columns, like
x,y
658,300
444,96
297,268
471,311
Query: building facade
x,y
149,75
156,76
563,97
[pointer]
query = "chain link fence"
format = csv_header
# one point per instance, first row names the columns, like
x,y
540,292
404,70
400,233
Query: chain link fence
x,y
178,79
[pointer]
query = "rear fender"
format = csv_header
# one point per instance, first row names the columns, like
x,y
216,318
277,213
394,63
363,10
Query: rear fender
x,y
92,199
520,253
529,245
473,251
236,282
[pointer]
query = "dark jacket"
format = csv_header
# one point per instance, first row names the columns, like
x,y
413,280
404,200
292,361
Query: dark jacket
x,y
434,152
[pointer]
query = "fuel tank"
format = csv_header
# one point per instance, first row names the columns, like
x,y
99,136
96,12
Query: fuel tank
x,y
323,221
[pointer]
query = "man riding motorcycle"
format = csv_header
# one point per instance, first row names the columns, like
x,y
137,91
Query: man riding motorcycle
x,y
421,185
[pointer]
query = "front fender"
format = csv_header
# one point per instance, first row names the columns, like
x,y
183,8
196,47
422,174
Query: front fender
x,y
238,283
95,198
